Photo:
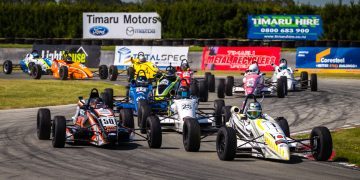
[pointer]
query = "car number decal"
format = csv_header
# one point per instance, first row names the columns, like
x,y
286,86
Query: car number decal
x,y
108,121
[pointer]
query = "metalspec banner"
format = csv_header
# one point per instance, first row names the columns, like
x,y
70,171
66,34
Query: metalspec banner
x,y
284,27
327,58
162,56
85,54
239,58
121,25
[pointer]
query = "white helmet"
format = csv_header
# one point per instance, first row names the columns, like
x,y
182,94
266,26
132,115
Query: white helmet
x,y
282,66
254,111
253,68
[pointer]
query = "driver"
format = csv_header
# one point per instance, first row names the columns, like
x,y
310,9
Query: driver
x,y
35,54
170,75
184,66
141,81
254,110
94,103
141,57
282,66
253,69
183,92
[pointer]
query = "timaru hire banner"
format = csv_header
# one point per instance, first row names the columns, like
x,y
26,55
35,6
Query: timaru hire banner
x,y
284,27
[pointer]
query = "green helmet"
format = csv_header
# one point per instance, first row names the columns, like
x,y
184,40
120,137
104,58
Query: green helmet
x,y
254,110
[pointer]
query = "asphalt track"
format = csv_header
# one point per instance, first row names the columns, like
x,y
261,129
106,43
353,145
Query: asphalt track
x,y
23,156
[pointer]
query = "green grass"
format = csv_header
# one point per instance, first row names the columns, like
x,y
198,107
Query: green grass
x,y
108,48
37,93
346,144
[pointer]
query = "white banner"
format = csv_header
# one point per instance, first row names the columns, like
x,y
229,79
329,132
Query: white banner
x,y
162,56
121,25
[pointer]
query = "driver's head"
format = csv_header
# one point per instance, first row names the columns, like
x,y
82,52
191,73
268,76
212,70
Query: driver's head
x,y
253,68
183,92
170,75
142,57
96,103
254,110
141,81
68,58
35,54
282,66
184,66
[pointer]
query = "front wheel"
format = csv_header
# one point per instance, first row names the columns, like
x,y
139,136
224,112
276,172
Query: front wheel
x,y
203,91
64,72
43,125
321,143
218,106
226,143
280,88
313,82
191,135
284,125
229,85
36,71
103,72
144,110
7,67
221,88
153,131
59,132
113,73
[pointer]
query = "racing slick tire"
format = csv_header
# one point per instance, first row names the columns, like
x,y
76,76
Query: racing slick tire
x,y
30,65
7,67
59,132
64,72
113,73
218,106
284,79
108,97
313,82
43,124
226,111
194,88
284,125
304,79
221,88
126,120
321,143
280,88
130,73
226,143
207,75
191,134
229,85
103,72
211,83
36,71
153,131
203,91
144,110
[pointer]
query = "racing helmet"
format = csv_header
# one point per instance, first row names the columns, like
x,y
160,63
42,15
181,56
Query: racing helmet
x,y
183,92
170,75
254,68
184,66
96,103
282,66
141,81
254,110
35,54
68,59
141,57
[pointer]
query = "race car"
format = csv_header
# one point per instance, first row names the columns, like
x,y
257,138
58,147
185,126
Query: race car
x,y
283,71
64,69
141,63
32,64
93,123
248,131
254,82
184,116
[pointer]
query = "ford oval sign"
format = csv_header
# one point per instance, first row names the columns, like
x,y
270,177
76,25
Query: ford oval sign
x,y
98,30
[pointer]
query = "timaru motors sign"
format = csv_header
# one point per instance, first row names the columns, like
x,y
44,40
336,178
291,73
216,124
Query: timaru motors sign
x,y
121,25
240,58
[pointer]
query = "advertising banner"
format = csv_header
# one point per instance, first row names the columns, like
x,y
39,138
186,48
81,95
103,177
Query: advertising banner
x,y
162,56
85,54
284,27
328,58
121,25
239,58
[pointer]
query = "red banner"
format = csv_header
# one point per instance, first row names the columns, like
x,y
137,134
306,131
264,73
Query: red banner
x,y
239,58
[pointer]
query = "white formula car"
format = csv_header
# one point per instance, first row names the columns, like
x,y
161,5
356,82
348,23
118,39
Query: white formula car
x,y
293,84
184,116
248,131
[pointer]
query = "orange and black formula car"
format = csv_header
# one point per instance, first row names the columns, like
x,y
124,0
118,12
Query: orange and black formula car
x,y
94,123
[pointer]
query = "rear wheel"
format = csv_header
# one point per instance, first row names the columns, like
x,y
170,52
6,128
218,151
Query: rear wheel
x,y
127,120
218,106
63,73
7,67
280,88
229,85
130,73
103,72
321,143
207,76
313,82
108,97
191,135
194,88
226,143
226,111
59,132
203,91
36,71
113,73
211,83
304,79
153,131
221,88
43,124
282,122
144,110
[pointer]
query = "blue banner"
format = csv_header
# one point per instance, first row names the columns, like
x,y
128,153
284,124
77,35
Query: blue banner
x,y
327,58
284,27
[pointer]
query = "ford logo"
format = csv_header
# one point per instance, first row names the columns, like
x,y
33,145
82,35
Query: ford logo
x,y
98,30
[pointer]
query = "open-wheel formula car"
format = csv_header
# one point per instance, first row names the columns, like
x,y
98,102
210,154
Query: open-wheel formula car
x,y
254,82
32,64
249,131
184,116
292,83
94,123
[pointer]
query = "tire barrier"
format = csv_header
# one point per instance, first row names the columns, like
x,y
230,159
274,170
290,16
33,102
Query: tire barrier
x,y
182,42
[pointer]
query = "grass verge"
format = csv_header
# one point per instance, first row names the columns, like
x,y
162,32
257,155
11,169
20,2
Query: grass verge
x,y
36,93
346,143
